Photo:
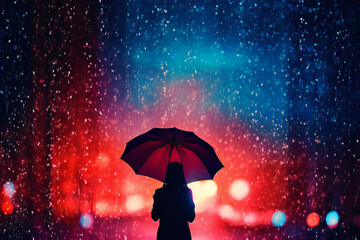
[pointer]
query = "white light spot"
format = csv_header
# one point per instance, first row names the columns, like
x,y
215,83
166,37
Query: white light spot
x,y
209,188
239,189
134,203
202,193
227,212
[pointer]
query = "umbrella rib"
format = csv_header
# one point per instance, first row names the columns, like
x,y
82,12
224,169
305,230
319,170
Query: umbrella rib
x,y
153,154
203,147
177,148
202,143
192,164
195,154
172,146
188,157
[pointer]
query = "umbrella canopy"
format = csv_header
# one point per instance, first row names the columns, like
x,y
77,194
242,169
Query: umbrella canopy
x,y
150,154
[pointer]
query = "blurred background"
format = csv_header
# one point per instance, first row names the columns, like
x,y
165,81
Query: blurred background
x,y
273,86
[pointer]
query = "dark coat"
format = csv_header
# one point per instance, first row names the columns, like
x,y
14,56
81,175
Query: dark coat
x,y
174,206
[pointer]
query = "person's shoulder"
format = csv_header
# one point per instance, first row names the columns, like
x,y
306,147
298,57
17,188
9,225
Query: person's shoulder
x,y
189,191
186,188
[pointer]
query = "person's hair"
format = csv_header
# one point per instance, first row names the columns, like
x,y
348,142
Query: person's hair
x,y
175,174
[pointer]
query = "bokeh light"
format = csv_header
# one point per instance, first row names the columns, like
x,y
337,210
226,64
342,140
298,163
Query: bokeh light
x,y
134,203
239,189
203,190
279,219
86,220
7,207
210,188
332,219
228,212
102,160
9,189
313,220
202,193
250,218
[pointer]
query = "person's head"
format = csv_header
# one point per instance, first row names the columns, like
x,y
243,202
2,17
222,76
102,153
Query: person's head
x,y
175,174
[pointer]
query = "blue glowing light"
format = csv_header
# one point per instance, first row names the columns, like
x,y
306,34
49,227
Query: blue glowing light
x,y
86,220
9,189
279,219
332,219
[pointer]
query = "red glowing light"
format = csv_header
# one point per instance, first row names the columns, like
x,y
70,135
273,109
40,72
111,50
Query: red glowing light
x,y
313,220
102,160
7,207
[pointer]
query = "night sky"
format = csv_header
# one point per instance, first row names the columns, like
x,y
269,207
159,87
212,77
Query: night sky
x,y
273,86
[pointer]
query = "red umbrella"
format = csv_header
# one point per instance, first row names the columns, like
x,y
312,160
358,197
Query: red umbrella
x,y
150,154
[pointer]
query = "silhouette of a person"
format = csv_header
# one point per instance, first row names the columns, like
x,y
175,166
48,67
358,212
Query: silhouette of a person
x,y
174,206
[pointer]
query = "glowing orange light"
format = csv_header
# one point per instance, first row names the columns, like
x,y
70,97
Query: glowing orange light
x,y
313,220
7,207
